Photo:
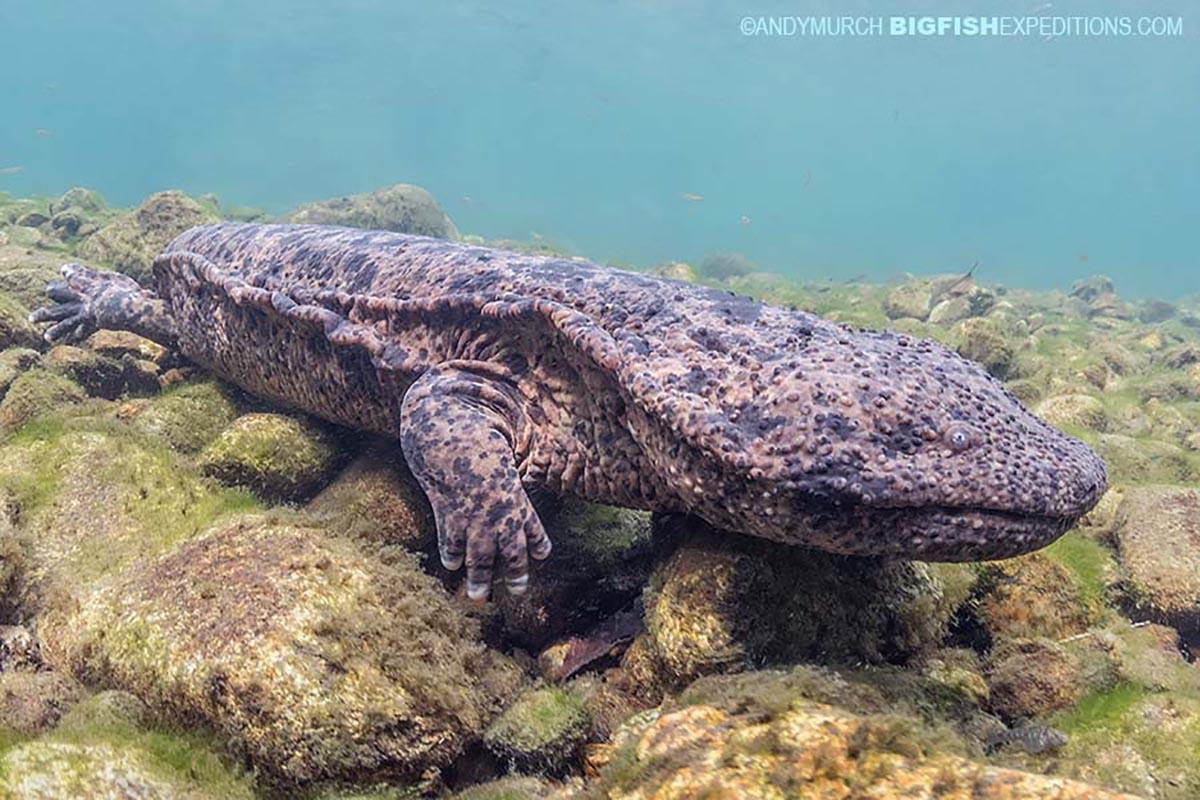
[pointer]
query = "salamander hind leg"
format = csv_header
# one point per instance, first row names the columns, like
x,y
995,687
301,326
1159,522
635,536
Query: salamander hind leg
x,y
87,299
458,431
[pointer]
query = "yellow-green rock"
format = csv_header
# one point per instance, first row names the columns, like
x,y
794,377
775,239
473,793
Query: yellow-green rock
x,y
277,456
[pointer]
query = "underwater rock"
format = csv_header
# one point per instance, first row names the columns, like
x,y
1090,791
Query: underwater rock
x,y
33,702
541,730
721,603
24,273
1031,596
376,500
984,341
676,271
313,659
187,417
805,749
1142,460
101,376
912,299
15,328
1032,677
89,504
1158,535
13,362
723,266
131,242
119,344
402,208
34,393
277,456
101,750
1074,410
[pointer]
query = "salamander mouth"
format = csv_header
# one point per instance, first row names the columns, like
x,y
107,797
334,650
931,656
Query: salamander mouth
x,y
934,533
946,533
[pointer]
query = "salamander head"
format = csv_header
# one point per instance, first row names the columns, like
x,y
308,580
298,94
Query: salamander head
x,y
877,443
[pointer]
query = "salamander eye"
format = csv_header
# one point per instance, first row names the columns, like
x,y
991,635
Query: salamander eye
x,y
959,437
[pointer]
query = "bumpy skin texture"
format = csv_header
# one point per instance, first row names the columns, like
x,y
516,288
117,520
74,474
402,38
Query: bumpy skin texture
x,y
503,372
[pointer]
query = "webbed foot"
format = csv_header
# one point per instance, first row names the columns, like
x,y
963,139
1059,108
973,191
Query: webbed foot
x,y
86,300
457,433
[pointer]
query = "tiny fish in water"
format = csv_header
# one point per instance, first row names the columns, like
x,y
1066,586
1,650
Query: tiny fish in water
x,y
692,198
9,170
744,220
807,178
44,133
1033,739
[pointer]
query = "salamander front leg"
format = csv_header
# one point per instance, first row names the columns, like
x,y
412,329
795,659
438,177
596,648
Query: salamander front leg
x,y
458,431
87,299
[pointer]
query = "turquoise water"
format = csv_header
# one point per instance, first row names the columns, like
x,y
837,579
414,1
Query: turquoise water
x,y
591,124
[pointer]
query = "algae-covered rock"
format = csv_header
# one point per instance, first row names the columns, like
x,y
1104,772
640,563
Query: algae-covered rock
x,y
514,787
541,730
131,242
805,749
723,602
984,341
1074,410
1032,595
376,499
24,273
15,328
1142,460
118,344
1031,678
402,208
37,392
312,658
187,417
676,271
13,362
909,300
33,702
1158,535
98,752
92,503
277,456
99,375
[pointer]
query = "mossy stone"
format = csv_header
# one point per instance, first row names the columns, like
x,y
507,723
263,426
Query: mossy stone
x,y
402,208
187,417
15,328
315,660
35,393
1077,410
277,456
131,242
721,603
541,730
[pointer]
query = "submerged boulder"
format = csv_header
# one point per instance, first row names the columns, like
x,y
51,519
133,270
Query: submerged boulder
x,y
790,736
131,242
541,729
313,659
721,603
278,456
910,300
101,750
187,417
1158,536
37,392
402,208
1074,410
376,500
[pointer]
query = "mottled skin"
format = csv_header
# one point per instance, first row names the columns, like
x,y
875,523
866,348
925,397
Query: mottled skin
x,y
502,373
